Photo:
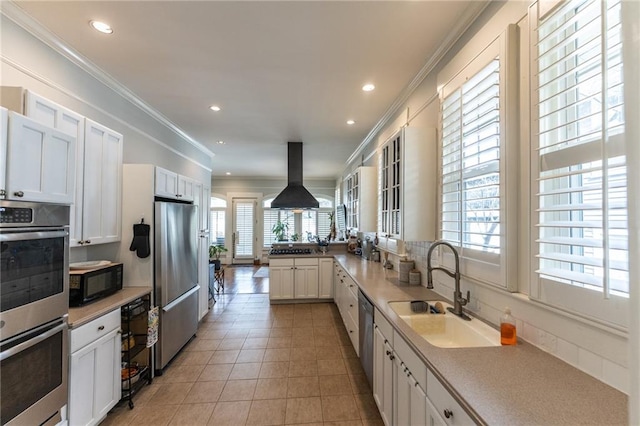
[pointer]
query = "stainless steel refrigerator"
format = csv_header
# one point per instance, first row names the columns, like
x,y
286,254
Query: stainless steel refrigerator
x,y
176,277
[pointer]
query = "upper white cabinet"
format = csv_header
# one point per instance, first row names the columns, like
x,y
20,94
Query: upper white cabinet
x,y
407,186
40,162
360,193
98,212
173,185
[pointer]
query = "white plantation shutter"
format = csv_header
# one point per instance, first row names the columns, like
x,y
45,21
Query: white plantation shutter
x,y
244,225
270,219
324,224
216,227
471,162
580,181
478,161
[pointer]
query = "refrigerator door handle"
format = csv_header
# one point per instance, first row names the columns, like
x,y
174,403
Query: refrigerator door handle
x,y
180,299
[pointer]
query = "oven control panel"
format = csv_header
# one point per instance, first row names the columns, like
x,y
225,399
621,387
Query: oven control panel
x,y
16,215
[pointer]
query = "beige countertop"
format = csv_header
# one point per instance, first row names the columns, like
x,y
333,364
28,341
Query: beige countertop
x,y
510,385
83,314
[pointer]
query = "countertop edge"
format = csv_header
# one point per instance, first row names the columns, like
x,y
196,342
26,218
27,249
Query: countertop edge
x,y
81,315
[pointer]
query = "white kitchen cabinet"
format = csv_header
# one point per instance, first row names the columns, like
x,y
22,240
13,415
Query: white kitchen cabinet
x,y
325,279
99,212
346,299
40,162
399,377
293,278
94,369
174,186
382,376
281,279
360,193
446,407
407,203
305,284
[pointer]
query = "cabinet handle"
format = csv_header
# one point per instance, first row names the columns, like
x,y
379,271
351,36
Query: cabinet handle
x,y
350,305
101,328
388,352
350,331
392,357
416,384
350,285
87,241
448,413
19,194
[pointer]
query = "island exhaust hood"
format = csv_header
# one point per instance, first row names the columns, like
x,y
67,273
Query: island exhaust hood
x,y
295,195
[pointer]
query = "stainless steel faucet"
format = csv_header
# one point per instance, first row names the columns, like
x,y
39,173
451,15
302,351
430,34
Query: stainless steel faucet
x,y
458,300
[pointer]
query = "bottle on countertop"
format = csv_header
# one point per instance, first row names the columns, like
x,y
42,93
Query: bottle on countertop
x,y
508,328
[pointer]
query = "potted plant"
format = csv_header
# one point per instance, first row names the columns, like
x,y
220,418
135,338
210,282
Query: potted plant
x,y
295,237
280,230
215,250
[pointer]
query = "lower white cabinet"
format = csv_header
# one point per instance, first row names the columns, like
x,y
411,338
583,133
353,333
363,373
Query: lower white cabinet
x,y
293,278
346,298
325,278
94,369
405,392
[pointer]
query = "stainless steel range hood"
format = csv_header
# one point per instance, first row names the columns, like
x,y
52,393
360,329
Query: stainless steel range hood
x,y
295,195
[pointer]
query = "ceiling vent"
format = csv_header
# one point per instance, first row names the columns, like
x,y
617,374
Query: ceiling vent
x,y
295,195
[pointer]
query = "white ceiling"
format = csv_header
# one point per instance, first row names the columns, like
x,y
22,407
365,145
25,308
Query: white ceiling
x,y
280,71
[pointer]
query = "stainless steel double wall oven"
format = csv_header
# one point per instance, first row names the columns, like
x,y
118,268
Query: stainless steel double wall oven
x,y
34,305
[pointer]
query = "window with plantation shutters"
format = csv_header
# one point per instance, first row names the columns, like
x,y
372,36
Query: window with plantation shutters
x,y
477,122
218,208
579,177
471,162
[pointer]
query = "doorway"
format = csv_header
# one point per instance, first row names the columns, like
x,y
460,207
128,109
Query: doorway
x,y
244,235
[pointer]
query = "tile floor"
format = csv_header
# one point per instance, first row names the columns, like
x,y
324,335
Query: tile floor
x,y
259,364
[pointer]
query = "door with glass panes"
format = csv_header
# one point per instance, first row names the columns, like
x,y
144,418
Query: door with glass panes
x,y
244,223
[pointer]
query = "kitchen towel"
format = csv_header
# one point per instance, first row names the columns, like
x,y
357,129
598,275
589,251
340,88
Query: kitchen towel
x,y
140,243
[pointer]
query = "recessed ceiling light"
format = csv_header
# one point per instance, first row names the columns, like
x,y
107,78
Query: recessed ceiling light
x,y
220,142
368,87
350,122
101,26
228,173
215,108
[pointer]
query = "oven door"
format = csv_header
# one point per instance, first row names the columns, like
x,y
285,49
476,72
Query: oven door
x,y
34,283
34,369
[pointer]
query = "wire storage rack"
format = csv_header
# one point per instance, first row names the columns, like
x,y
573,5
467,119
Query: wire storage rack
x,y
136,356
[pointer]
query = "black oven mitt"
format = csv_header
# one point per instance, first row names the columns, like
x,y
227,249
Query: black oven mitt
x,y
140,243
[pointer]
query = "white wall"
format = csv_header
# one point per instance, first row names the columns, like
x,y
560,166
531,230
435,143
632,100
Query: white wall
x,y
599,351
29,62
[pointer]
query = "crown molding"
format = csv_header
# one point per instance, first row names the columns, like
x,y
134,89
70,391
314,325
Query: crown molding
x,y
16,14
470,15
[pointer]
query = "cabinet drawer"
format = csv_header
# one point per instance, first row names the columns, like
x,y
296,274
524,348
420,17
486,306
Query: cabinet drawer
x,y
352,329
447,407
307,261
411,360
383,325
352,308
92,331
281,262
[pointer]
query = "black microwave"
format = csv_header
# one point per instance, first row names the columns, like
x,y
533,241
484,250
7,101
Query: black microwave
x,y
91,284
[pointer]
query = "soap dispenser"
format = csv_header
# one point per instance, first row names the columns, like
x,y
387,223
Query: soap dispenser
x,y
508,329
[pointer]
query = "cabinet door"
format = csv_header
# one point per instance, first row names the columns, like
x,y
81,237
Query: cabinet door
x,y
306,282
41,162
418,404
60,118
382,375
186,188
325,278
402,385
281,282
433,418
94,382
202,202
102,190
166,183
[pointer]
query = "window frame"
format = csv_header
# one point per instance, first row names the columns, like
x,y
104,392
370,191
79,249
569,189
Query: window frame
x,y
218,209
610,310
498,270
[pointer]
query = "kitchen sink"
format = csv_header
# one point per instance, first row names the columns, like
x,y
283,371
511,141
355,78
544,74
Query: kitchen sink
x,y
447,330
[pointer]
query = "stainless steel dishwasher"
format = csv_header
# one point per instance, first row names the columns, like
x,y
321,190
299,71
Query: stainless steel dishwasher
x,y
365,324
